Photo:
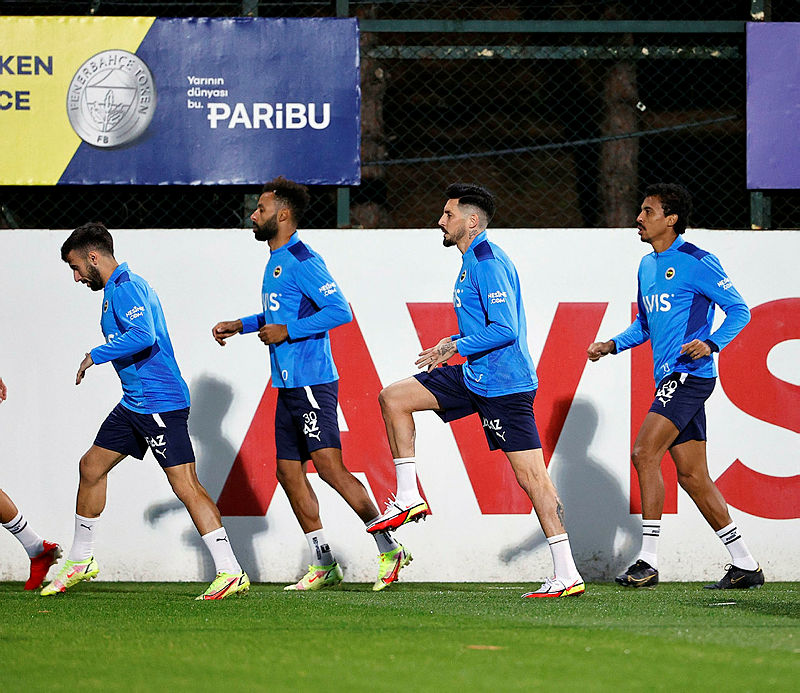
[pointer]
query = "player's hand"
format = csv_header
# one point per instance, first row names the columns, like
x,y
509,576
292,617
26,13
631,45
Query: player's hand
x,y
430,358
597,350
87,361
697,349
273,334
225,330
3,390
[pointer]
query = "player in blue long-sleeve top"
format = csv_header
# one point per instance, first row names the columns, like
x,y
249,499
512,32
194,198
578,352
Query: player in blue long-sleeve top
x,y
498,381
300,303
679,285
153,413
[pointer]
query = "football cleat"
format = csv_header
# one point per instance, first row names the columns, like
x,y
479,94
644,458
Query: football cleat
x,y
738,579
71,574
398,514
390,565
226,584
318,577
41,563
640,574
553,587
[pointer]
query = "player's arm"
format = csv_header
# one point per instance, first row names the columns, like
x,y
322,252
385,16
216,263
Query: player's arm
x,y
433,356
499,301
226,329
638,332
712,281
314,280
3,390
137,329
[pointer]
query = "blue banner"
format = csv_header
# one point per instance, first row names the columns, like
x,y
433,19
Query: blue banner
x,y
144,100
773,105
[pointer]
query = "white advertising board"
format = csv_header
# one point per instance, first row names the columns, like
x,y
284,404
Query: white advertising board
x,y
578,286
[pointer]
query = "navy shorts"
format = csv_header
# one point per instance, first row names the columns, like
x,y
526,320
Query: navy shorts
x,y
166,434
306,420
681,398
508,420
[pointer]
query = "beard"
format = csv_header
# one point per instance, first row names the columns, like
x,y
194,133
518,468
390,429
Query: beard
x,y
95,281
268,230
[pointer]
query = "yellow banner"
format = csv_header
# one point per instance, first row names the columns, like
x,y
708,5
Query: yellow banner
x,y
38,58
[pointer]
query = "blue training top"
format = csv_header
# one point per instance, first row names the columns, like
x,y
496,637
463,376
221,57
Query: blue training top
x,y
138,345
299,292
491,322
677,292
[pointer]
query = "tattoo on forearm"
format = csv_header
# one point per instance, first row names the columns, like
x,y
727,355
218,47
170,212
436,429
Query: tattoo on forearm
x,y
560,512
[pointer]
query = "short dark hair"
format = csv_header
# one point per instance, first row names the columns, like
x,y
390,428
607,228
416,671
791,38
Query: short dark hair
x,y
91,236
472,194
294,195
675,199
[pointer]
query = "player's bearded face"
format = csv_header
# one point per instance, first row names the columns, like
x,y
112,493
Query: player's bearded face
x,y
93,279
454,232
268,230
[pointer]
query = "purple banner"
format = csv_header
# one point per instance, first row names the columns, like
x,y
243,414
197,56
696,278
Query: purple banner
x,y
773,106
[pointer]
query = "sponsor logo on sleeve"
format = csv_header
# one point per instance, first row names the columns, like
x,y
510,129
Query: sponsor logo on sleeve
x,y
498,297
135,312
328,289
724,283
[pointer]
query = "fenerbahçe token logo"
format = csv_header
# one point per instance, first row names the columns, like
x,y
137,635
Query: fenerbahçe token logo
x,y
463,276
277,272
111,99
670,273
105,306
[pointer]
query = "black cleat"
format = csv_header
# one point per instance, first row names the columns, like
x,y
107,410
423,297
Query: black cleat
x,y
738,579
640,574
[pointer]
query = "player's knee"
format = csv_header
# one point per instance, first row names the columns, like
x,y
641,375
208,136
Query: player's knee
x,y
692,481
389,400
89,471
643,458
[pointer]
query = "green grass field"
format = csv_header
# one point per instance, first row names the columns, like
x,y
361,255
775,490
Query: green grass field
x,y
411,637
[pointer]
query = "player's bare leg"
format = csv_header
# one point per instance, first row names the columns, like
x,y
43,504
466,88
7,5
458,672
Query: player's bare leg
x,y
654,438
94,467
8,511
691,463
532,476
329,464
398,403
292,478
189,490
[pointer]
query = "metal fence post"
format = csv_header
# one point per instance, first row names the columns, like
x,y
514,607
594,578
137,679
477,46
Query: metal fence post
x,y
342,193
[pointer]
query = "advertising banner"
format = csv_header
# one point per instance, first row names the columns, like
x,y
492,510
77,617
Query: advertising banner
x,y
578,286
773,105
152,101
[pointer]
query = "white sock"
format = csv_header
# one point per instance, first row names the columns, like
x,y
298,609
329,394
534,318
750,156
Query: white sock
x,y
321,553
563,562
740,555
30,540
83,543
385,541
406,470
651,529
219,546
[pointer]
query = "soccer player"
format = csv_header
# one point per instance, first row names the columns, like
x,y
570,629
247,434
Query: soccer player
x,y
301,302
498,381
153,413
679,285
42,553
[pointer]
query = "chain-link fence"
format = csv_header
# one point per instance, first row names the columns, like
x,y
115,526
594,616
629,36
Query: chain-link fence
x,y
567,110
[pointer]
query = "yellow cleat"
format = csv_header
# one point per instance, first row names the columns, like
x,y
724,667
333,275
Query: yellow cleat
x,y
226,584
318,577
70,575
